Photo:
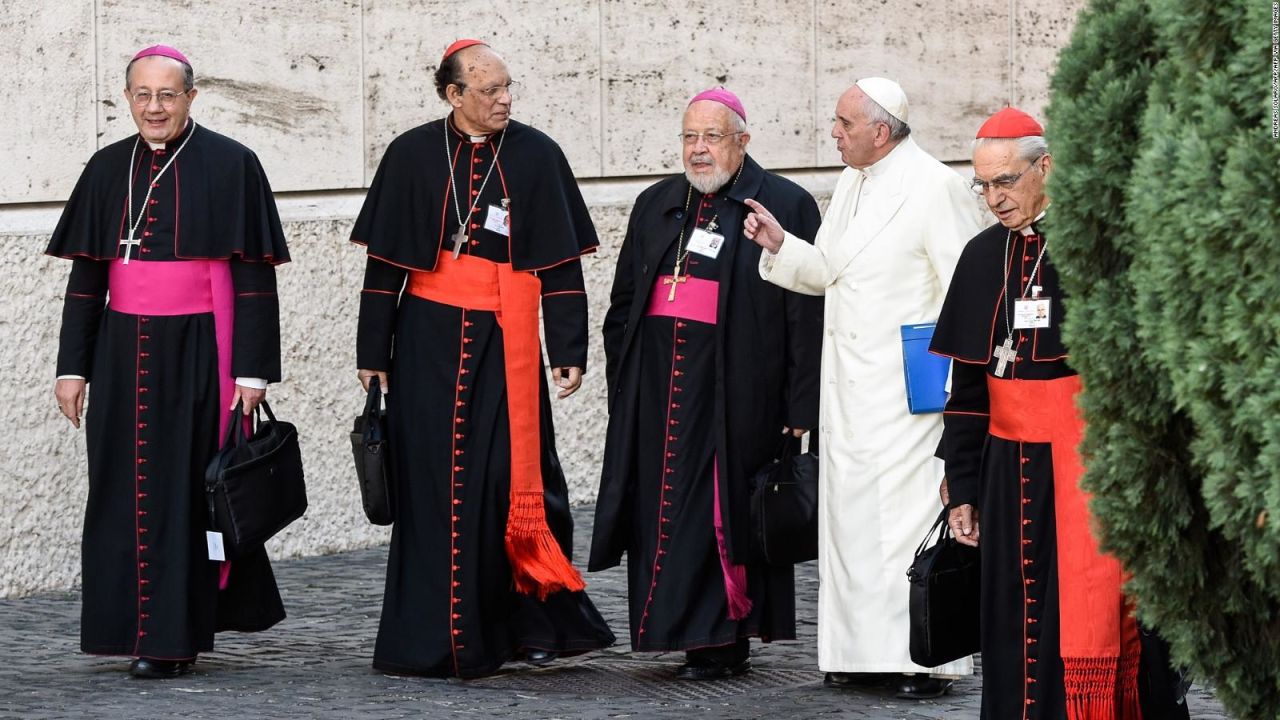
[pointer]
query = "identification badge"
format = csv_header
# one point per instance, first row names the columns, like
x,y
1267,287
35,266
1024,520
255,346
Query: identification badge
x,y
214,540
705,243
498,220
1029,314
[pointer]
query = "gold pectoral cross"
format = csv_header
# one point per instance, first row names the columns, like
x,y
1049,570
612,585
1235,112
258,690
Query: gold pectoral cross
x,y
675,278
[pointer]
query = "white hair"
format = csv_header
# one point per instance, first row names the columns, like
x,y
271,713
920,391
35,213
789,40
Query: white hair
x,y
876,113
1028,147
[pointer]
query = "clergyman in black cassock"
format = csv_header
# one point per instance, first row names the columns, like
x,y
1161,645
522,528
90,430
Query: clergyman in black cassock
x,y
172,233
710,370
1058,637
478,219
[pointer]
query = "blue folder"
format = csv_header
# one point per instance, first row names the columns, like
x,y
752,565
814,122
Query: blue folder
x,y
926,374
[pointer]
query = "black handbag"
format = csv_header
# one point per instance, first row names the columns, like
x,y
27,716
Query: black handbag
x,y
370,449
254,485
784,508
945,584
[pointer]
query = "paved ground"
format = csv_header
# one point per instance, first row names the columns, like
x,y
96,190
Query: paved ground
x,y
316,664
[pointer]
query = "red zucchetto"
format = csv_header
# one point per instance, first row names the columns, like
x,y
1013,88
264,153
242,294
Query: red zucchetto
x,y
1010,123
460,45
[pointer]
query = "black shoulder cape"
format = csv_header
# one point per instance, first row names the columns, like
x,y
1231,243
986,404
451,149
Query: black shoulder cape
x,y
225,203
971,317
401,221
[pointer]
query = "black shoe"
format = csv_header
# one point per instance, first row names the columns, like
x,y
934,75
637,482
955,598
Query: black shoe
x,y
541,658
857,679
711,669
922,687
151,668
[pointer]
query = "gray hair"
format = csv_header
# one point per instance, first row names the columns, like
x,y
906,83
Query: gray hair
x,y
876,113
736,123
188,75
1029,147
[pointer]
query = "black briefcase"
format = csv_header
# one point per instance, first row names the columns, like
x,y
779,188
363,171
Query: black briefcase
x,y
370,449
254,485
784,508
945,584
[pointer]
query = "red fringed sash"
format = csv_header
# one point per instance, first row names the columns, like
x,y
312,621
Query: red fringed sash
x,y
1100,645
537,563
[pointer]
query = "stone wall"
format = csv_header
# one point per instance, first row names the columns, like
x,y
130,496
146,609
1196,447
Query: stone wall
x,y
319,88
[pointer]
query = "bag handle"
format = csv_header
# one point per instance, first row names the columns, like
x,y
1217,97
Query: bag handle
x,y
235,426
374,399
789,448
939,526
266,408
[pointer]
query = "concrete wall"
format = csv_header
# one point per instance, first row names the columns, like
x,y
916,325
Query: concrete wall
x,y
319,88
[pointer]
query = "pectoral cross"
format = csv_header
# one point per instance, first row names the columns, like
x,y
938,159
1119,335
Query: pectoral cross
x,y
1004,355
129,243
459,239
676,278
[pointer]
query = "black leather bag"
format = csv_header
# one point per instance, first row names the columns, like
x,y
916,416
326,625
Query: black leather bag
x,y
945,583
370,449
784,508
254,485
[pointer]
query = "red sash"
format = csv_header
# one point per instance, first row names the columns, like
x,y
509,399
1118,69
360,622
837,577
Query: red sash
x,y
538,565
1099,642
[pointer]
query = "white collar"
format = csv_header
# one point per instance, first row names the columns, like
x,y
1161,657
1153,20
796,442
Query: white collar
x,y
162,146
1028,229
886,165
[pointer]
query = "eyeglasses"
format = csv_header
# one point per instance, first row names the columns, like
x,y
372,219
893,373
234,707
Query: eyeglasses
x,y
710,138
167,98
492,93
1003,183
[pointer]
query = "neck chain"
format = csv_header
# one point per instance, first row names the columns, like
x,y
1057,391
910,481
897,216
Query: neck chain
x,y
130,242
1005,352
682,252
460,237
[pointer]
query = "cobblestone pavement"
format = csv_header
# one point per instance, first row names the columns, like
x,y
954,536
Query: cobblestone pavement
x,y
316,664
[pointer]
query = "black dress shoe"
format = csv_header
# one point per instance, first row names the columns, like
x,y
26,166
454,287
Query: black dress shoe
x,y
540,658
857,679
151,668
711,669
922,687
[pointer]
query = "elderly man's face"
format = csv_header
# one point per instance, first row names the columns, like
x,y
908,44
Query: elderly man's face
x,y
1017,205
483,105
860,142
158,81
708,165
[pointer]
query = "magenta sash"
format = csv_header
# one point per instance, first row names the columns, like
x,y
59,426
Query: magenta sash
x,y
696,299
182,287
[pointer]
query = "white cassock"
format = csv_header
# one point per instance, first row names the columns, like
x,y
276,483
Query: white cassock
x,y
883,258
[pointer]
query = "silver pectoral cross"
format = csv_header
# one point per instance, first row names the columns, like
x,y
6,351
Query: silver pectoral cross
x,y
459,239
1004,355
129,243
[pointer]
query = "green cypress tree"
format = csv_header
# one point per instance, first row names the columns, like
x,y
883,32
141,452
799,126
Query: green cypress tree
x,y
1167,222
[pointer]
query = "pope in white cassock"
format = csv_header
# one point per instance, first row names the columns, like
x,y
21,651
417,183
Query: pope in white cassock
x,y
883,258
